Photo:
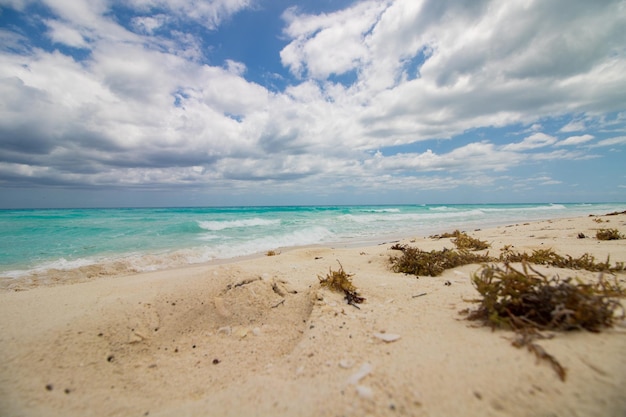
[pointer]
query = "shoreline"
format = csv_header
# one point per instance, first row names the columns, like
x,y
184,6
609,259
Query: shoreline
x,y
258,336
125,265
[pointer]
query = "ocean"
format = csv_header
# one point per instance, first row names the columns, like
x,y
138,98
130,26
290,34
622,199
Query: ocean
x,y
34,241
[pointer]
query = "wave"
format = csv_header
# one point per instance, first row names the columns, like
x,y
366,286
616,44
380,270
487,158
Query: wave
x,y
410,217
60,264
442,208
383,210
213,225
525,208
63,270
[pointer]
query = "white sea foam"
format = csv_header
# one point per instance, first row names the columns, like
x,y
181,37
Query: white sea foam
x,y
213,225
60,264
382,210
229,249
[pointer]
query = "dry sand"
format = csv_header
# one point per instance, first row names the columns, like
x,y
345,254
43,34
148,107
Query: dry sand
x,y
260,337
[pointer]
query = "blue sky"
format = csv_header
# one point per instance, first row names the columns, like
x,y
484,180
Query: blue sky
x,y
239,102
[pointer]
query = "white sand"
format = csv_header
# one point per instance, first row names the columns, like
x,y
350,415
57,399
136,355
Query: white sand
x,y
260,337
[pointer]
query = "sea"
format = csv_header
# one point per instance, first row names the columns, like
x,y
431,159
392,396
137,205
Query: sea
x,y
34,241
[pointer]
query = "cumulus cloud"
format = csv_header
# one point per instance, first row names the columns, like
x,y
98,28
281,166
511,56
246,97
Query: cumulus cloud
x,y
145,105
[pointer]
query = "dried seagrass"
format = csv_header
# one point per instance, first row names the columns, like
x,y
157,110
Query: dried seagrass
x,y
528,302
342,282
417,262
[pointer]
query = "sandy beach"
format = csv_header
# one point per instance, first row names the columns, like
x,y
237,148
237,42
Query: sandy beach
x,y
260,336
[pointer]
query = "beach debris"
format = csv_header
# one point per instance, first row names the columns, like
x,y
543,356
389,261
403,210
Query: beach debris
x,y
581,235
551,258
609,234
528,302
342,282
241,331
281,287
281,302
241,283
527,298
415,261
463,241
420,295
226,330
346,363
365,369
364,392
387,337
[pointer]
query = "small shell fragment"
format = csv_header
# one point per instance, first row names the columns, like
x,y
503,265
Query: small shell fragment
x,y
387,337
241,332
227,330
363,371
346,363
364,392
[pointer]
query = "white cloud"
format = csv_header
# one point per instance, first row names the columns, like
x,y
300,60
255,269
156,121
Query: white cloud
x,y
64,34
575,140
573,126
146,108
329,43
236,68
534,141
621,140
149,24
209,13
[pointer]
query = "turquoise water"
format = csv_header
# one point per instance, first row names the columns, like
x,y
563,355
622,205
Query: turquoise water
x,y
157,238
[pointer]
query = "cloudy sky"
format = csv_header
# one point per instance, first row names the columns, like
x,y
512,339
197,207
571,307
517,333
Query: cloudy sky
x,y
228,102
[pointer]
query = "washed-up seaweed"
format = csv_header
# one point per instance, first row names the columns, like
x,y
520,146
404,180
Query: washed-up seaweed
x,y
414,261
528,302
609,234
551,258
341,281
463,241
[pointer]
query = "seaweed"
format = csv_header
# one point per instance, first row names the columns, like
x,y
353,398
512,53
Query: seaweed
x,y
609,234
551,258
414,261
342,282
463,241
528,302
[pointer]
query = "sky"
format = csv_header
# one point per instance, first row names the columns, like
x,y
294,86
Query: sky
x,y
282,102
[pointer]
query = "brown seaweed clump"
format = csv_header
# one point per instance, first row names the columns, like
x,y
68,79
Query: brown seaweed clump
x,y
341,281
551,258
609,234
528,302
414,261
463,241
